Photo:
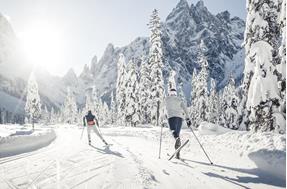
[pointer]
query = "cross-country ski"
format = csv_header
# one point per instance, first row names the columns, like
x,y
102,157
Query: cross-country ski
x,y
179,94
178,150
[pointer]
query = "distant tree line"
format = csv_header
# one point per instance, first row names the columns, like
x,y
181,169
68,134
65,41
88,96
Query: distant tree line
x,y
7,116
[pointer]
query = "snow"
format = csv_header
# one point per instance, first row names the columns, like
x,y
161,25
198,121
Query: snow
x,y
16,139
267,150
272,162
207,128
260,85
132,161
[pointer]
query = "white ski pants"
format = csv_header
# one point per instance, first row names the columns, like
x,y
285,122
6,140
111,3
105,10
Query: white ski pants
x,y
96,130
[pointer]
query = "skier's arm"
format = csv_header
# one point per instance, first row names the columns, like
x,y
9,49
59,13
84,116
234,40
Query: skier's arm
x,y
84,121
183,106
188,122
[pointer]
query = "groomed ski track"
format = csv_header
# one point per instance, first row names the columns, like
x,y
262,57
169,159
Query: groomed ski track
x,y
131,162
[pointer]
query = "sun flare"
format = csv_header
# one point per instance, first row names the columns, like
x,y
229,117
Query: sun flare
x,y
42,45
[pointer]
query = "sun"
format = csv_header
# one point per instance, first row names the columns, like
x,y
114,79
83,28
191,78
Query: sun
x,y
42,45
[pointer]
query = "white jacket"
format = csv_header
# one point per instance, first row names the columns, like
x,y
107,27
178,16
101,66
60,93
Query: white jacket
x,y
175,107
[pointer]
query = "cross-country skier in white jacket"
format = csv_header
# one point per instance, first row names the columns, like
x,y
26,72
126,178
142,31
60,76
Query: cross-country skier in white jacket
x,y
176,112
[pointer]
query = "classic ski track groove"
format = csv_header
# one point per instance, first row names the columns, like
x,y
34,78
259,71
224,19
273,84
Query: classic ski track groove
x,y
82,166
146,175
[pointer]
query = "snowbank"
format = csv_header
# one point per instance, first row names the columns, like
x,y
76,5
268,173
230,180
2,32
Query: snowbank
x,y
207,128
267,150
15,141
8,130
272,162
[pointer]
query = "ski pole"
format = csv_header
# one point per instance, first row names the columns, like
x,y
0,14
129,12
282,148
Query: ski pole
x,y
82,132
160,142
201,146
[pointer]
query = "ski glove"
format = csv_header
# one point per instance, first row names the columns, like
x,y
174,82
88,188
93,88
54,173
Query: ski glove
x,y
188,122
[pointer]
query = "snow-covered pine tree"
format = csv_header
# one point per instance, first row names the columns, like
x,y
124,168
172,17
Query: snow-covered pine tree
x,y
193,94
98,105
45,116
89,105
180,91
113,109
156,65
53,116
230,100
70,110
145,92
213,103
121,90
281,67
33,104
200,90
171,80
105,113
132,97
262,37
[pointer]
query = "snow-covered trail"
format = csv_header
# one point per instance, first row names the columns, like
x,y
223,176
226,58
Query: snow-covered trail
x,y
131,162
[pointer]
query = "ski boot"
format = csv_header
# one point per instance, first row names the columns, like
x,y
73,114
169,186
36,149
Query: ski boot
x,y
177,145
90,142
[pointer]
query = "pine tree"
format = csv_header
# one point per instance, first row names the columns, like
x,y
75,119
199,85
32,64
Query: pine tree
x,y
89,105
33,104
230,105
193,96
200,90
97,105
53,116
145,92
171,80
213,104
281,71
132,99
262,37
113,109
105,113
70,110
156,65
120,90
45,116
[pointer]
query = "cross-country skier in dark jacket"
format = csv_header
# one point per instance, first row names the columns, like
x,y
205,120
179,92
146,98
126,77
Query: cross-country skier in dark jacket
x,y
91,120
176,112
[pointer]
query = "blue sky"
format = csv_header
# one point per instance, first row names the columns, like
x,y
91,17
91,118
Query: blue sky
x,y
87,26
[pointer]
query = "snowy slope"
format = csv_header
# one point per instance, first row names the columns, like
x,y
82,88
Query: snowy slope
x,y
132,162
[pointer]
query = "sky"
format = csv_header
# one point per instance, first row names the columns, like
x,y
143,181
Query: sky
x,y
77,30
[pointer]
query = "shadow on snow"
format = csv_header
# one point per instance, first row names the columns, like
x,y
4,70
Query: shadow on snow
x,y
261,177
107,150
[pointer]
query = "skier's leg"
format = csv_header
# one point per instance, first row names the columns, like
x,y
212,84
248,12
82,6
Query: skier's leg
x,y
96,130
178,128
171,123
89,134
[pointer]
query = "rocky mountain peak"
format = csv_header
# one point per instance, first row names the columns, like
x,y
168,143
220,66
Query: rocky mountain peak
x,y
182,4
93,65
182,32
225,15
70,78
200,4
